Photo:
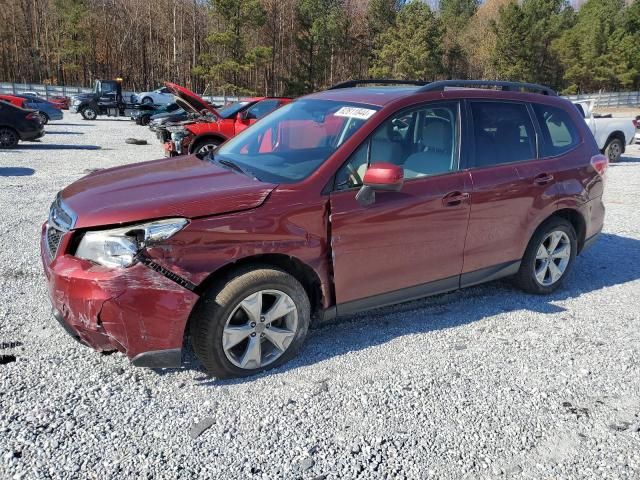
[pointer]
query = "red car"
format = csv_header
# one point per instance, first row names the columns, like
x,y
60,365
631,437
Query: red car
x,y
341,201
17,101
60,101
216,126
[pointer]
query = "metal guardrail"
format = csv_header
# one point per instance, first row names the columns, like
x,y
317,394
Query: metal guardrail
x,y
45,91
609,99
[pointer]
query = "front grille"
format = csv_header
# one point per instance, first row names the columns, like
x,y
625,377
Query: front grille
x,y
61,220
53,240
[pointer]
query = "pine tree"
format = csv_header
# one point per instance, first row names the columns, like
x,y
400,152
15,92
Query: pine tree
x,y
412,48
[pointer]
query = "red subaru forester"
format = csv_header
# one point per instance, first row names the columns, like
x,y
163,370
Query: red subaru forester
x,y
344,200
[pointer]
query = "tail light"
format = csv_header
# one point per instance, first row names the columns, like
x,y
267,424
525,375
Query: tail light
x,y
600,163
32,116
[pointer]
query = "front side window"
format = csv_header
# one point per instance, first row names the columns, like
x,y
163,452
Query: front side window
x,y
423,141
292,142
559,134
503,133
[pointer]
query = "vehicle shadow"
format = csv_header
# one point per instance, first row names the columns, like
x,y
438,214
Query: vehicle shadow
x,y
54,146
16,171
50,132
72,124
624,160
613,260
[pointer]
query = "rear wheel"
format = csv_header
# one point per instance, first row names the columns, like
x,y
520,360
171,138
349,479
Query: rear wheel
x,y
145,119
44,118
549,257
89,113
205,146
256,321
8,137
614,150
147,101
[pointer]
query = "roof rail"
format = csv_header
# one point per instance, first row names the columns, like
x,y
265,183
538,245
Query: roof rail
x,y
376,81
505,86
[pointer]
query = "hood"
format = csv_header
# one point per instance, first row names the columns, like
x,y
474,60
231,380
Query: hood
x,y
189,100
173,187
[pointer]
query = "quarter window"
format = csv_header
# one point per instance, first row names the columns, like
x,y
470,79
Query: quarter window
x,y
423,141
558,131
503,133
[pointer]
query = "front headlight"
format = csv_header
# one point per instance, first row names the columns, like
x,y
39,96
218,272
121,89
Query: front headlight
x,y
119,247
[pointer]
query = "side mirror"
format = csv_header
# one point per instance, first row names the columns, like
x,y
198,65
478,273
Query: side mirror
x,y
380,177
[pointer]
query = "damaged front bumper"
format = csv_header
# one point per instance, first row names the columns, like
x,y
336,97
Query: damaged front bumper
x,y
137,310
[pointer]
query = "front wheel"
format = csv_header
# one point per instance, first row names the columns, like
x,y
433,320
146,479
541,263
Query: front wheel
x,y
147,101
205,146
256,321
89,113
549,257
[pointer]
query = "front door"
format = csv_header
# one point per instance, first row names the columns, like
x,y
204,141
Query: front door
x,y
408,243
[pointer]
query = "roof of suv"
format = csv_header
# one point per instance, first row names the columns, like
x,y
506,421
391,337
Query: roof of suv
x,y
381,96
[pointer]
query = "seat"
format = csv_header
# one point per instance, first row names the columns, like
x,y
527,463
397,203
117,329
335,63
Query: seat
x,y
436,157
386,146
512,149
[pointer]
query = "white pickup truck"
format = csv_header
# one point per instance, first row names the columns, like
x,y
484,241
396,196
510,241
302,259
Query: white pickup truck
x,y
612,134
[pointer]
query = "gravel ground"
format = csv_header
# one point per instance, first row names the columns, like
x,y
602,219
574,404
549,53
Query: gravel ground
x,y
483,383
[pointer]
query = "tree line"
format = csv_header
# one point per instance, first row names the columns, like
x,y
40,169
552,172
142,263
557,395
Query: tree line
x,y
291,47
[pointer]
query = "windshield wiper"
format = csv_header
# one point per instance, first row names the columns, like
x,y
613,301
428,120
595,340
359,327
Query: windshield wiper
x,y
233,165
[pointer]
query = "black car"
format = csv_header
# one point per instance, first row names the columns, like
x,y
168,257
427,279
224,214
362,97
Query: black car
x,y
18,124
144,112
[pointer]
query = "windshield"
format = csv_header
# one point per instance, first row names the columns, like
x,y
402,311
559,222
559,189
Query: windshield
x,y
231,110
289,144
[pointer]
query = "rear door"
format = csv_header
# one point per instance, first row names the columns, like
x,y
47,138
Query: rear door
x,y
408,243
511,187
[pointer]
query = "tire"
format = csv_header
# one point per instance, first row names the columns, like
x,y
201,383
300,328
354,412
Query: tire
x,y
89,113
147,101
205,146
614,150
8,137
536,275
220,310
44,118
145,119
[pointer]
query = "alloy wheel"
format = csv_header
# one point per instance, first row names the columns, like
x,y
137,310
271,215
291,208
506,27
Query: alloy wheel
x,y
260,329
207,148
552,258
8,138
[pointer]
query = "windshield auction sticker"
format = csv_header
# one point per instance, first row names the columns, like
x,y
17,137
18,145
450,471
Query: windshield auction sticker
x,y
354,112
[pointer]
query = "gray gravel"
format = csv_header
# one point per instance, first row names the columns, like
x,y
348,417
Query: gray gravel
x,y
484,383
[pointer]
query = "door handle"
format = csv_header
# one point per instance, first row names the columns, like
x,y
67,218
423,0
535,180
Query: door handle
x,y
454,198
543,179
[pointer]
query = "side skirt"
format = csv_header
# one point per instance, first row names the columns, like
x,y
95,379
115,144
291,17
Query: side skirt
x,y
424,290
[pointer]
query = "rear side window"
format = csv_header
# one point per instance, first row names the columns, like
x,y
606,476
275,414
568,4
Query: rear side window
x,y
559,134
503,133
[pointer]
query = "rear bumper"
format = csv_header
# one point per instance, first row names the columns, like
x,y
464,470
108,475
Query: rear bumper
x,y
32,134
55,114
136,310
